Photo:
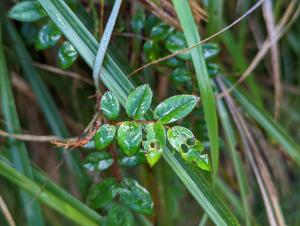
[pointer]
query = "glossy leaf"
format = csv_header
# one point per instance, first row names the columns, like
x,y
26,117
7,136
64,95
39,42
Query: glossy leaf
x,y
210,50
175,108
132,161
67,55
194,156
119,215
47,36
178,135
138,102
103,193
151,50
27,11
160,134
212,69
138,21
104,136
98,161
129,137
110,105
181,75
135,196
176,42
160,32
153,155
173,62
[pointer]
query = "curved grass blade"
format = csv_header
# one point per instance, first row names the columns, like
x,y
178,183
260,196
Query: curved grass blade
x,y
115,80
104,42
190,30
47,196
18,150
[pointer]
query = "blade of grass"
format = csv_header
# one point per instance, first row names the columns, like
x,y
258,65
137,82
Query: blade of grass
x,y
190,30
46,103
115,80
276,131
238,167
18,150
47,196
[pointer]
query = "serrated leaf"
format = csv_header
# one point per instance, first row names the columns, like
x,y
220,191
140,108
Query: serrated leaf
x,y
153,155
47,36
160,32
135,196
98,161
130,137
175,108
160,134
178,135
67,54
194,156
27,11
139,101
103,193
104,136
132,161
176,42
119,215
110,105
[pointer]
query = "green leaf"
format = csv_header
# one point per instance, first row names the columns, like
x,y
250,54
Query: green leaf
x,y
103,193
181,75
138,21
210,50
114,77
160,134
98,161
192,36
66,55
130,137
27,11
110,105
47,36
175,108
104,136
194,156
132,161
178,135
138,102
119,215
153,155
160,32
151,50
135,196
176,42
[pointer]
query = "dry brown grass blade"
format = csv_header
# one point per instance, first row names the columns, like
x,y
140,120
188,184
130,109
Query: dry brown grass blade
x,y
247,13
281,29
261,172
6,212
275,61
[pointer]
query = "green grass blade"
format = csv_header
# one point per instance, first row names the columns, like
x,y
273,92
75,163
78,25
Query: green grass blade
x,y
18,150
274,130
115,80
46,195
46,102
190,30
238,167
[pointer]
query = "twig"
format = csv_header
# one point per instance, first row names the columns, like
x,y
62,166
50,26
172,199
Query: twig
x,y
275,63
251,10
6,212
